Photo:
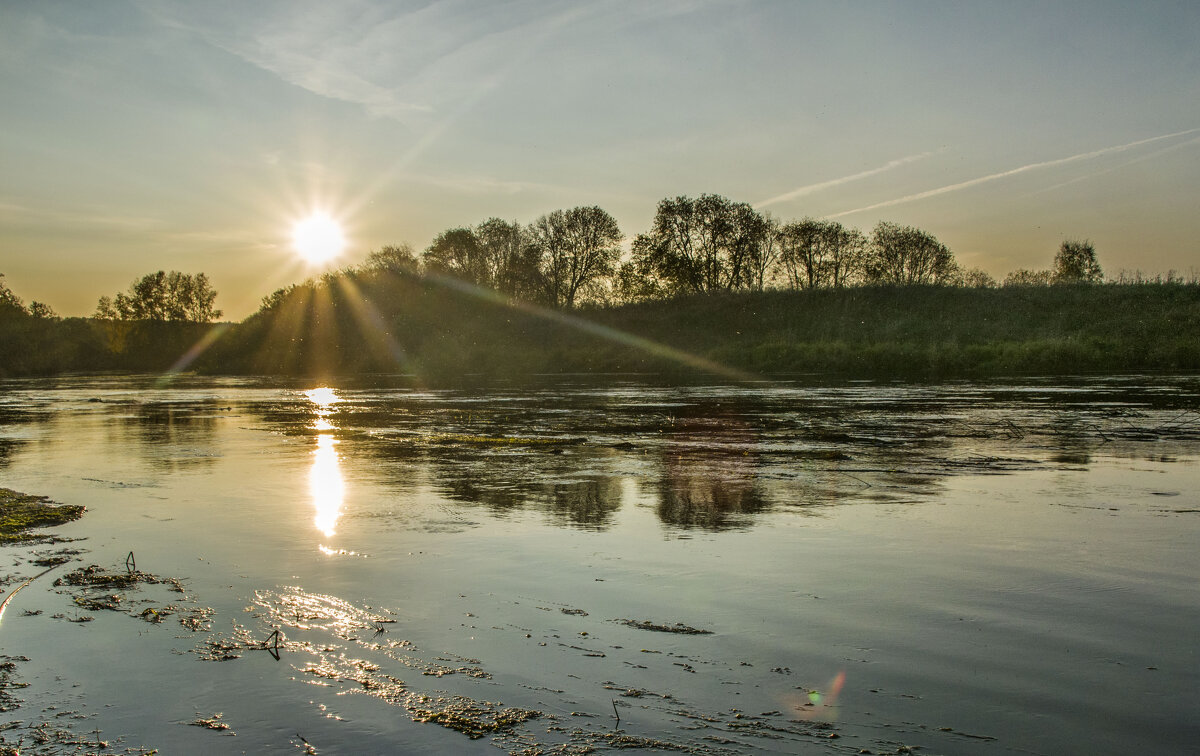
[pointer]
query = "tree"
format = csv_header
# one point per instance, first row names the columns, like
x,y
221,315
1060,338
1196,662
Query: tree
x,y
977,278
10,303
393,258
511,260
576,249
456,252
163,296
904,255
1076,263
495,255
1025,277
763,241
708,244
42,310
820,253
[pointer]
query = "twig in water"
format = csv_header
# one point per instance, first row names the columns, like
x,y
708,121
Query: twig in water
x,y
616,713
130,563
273,650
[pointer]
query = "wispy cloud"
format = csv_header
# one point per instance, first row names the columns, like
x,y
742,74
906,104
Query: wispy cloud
x,y
17,215
1014,171
813,188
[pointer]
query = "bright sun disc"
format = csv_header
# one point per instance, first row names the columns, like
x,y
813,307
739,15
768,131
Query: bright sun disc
x,y
318,238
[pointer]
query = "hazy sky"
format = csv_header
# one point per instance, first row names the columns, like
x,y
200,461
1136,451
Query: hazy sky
x,y
137,136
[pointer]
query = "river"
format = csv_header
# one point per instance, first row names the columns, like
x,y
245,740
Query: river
x,y
1002,567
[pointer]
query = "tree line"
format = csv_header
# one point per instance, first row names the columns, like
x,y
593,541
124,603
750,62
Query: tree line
x,y
566,258
696,245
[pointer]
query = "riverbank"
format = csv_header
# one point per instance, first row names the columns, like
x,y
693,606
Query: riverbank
x,y
380,323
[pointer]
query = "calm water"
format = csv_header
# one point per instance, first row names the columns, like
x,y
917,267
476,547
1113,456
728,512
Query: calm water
x,y
966,568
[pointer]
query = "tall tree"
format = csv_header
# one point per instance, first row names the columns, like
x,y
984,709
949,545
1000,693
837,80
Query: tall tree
x,y
762,238
163,296
707,244
1076,263
456,252
495,254
905,255
512,263
817,253
577,249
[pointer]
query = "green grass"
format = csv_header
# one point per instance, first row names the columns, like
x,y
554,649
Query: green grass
x,y
381,323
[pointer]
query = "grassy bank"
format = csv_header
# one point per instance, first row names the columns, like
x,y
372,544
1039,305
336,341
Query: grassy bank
x,y
385,323
426,328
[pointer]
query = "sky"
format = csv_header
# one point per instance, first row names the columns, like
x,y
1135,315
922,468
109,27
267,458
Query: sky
x,y
137,135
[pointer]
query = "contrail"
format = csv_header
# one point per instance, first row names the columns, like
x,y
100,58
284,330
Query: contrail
x,y
1131,161
1012,172
843,180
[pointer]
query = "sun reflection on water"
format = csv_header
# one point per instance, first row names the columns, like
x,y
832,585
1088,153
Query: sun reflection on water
x,y
325,481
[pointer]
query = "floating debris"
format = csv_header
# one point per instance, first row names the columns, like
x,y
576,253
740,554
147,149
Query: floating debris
x,y
212,723
678,627
98,589
197,619
95,576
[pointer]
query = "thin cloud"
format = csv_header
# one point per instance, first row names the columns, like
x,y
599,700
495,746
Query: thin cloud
x,y
812,188
1132,161
1005,174
15,214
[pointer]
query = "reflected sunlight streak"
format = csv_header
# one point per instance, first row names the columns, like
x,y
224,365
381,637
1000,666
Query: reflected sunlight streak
x,y
325,481
326,484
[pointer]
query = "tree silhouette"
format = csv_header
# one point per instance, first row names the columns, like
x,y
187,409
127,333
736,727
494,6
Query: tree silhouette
x,y
577,249
10,303
703,245
818,253
1076,263
906,256
394,258
496,254
163,296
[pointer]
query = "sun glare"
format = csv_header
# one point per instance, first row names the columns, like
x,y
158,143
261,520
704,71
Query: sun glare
x,y
318,238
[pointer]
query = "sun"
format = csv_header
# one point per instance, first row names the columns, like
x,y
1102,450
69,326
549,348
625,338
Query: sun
x,y
318,238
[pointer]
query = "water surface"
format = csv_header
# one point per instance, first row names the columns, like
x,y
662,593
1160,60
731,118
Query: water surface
x,y
1004,567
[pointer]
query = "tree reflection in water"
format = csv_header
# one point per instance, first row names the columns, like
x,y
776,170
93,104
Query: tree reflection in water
x,y
710,475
